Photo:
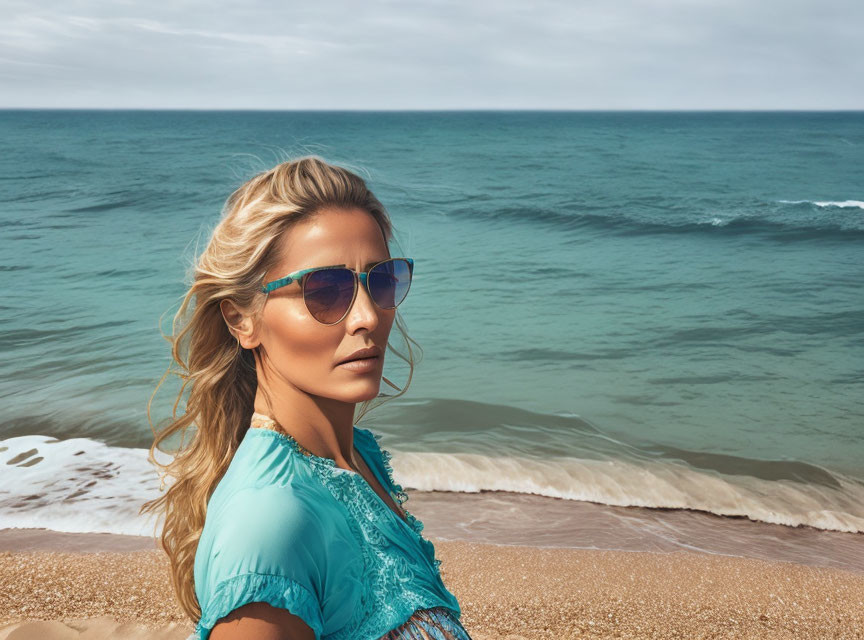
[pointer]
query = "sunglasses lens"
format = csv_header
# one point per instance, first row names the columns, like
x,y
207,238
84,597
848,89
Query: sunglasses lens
x,y
328,294
389,282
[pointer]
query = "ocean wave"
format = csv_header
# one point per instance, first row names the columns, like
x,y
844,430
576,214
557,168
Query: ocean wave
x,y
832,502
766,226
769,221
83,485
829,203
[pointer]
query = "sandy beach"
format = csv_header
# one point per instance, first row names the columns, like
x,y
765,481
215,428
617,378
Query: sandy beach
x,y
58,586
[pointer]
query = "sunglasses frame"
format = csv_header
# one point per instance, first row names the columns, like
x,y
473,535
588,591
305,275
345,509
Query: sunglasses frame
x,y
363,276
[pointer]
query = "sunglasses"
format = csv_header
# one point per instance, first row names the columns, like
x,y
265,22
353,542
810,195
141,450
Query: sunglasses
x,y
330,291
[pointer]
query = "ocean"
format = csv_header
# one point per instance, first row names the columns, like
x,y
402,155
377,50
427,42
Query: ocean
x,y
640,330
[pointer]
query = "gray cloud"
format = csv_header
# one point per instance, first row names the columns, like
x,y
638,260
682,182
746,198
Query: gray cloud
x,y
671,54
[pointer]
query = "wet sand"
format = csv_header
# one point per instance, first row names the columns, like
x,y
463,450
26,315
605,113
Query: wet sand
x,y
57,585
503,517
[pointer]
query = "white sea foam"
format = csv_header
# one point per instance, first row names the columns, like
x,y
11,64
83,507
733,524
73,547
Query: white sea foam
x,y
658,484
829,203
82,485
76,485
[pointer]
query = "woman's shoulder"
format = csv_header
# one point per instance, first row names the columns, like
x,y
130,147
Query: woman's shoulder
x,y
265,513
265,468
266,506
263,537
263,544
257,524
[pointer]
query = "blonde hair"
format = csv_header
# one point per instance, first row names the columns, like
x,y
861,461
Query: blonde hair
x,y
220,375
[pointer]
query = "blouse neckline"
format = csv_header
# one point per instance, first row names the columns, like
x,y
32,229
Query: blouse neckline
x,y
329,462
328,468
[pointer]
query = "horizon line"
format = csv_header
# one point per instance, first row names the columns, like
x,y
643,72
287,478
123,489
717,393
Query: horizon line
x,y
447,110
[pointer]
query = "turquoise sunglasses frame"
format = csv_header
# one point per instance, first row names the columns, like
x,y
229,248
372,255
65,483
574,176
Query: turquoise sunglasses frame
x,y
362,275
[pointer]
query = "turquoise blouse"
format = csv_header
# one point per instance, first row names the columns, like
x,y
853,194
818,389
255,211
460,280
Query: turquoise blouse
x,y
300,533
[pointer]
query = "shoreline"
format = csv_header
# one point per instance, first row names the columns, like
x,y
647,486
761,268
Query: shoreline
x,y
509,518
506,592
18,539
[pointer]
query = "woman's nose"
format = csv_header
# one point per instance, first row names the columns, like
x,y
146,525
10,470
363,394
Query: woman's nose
x,y
363,310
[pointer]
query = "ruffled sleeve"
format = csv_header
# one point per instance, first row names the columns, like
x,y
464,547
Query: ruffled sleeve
x,y
263,545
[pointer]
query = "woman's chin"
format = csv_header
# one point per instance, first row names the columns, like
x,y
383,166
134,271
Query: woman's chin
x,y
359,391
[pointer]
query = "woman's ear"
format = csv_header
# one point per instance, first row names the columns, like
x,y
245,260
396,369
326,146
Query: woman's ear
x,y
239,324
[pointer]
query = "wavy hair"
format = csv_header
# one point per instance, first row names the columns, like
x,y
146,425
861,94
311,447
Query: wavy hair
x,y
218,373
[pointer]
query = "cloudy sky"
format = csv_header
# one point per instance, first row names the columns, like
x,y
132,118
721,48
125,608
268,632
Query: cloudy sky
x,y
433,54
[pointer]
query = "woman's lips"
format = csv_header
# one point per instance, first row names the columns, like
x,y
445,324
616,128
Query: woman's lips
x,y
361,365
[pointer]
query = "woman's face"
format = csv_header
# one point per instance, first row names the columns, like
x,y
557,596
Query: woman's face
x,y
301,351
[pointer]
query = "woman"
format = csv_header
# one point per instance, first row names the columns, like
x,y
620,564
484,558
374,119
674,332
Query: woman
x,y
284,520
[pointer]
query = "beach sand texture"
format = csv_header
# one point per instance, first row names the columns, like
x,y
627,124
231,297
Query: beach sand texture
x,y
506,592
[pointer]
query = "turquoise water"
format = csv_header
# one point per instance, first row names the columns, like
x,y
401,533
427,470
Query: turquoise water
x,y
652,309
